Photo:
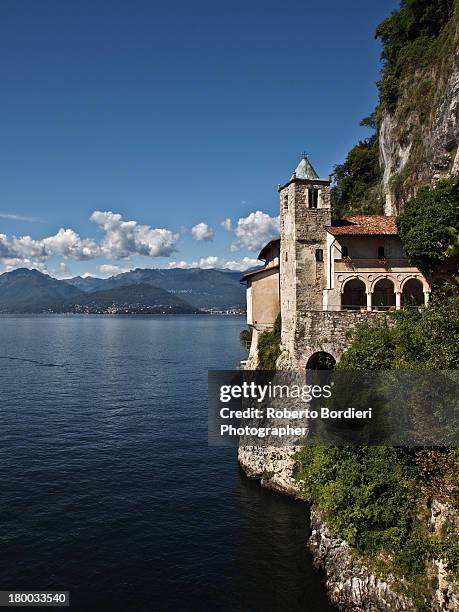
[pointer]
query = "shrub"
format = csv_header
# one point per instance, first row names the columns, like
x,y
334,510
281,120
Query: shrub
x,y
429,226
269,347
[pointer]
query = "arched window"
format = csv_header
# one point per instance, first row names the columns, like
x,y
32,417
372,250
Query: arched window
x,y
413,293
381,254
384,295
344,251
354,295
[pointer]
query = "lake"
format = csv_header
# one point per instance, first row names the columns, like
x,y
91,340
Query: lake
x,y
108,488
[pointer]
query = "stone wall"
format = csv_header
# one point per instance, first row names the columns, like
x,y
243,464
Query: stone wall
x,y
316,331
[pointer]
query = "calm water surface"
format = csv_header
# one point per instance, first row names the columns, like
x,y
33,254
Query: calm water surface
x,y
107,486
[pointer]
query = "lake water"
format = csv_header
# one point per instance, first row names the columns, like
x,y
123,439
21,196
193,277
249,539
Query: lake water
x,y
108,488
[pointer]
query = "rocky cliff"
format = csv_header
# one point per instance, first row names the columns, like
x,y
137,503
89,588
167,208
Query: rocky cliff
x,y
419,127
350,584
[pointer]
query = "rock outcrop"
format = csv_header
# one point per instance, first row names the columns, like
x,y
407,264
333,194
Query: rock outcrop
x,y
351,585
447,593
419,139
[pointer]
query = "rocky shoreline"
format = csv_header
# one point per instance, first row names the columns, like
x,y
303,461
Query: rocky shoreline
x,y
350,584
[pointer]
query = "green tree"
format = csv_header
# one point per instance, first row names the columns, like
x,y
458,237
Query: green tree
x,y
408,37
429,226
357,181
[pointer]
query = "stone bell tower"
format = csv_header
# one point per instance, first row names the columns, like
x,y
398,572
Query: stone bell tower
x,y
305,212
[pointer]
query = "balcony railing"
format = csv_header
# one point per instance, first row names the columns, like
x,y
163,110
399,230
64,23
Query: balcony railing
x,y
351,263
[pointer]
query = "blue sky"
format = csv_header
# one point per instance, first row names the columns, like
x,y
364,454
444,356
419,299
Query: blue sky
x,y
170,114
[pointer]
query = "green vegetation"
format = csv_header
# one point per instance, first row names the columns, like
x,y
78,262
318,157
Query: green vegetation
x,y
418,42
426,339
375,497
378,498
410,39
269,347
429,226
357,180
245,337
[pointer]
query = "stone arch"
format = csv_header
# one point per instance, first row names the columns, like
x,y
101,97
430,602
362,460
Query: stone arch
x,y
417,277
383,291
353,294
413,292
390,277
321,360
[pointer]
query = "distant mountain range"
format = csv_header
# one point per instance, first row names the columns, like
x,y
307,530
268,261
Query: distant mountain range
x,y
130,299
141,290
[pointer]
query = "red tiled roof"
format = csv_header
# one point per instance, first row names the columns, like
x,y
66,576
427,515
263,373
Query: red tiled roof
x,y
368,225
258,272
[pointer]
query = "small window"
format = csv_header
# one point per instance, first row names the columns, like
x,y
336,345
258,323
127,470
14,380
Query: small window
x,y
286,256
381,254
313,198
319,255
286,202
344,251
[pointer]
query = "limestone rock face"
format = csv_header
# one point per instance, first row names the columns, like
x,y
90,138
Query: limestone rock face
x,y
351,586
274,467
420,147
447,593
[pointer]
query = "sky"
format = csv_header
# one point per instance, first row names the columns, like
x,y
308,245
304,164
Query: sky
x,y
154,134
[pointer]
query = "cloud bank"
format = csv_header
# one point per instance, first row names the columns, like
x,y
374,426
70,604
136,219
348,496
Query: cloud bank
x,y
126,238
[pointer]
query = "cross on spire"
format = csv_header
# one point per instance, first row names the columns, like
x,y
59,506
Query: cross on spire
x,y
304,155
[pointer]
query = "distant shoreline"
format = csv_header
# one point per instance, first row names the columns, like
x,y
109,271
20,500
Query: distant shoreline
x,y
121,314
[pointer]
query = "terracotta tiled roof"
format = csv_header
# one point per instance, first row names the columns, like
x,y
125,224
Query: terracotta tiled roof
x,y
258,272
368,225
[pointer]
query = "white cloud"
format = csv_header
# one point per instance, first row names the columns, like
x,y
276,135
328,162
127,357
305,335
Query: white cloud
x,y
126,238
64,269
14,263
254,231
207,263
204,263
243,264
65,243
69,244
14,217
109,270
202,231
226,224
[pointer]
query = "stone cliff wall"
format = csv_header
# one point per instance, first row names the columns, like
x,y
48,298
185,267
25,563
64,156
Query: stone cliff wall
x,y
419,140
351,585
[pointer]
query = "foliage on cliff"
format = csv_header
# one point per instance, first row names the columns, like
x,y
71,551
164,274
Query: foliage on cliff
x,y
418,47
426,339
429,226
410,41
378,498
357,180
269,347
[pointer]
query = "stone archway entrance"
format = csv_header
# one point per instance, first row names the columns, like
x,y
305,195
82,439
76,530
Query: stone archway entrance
x,y
321,361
